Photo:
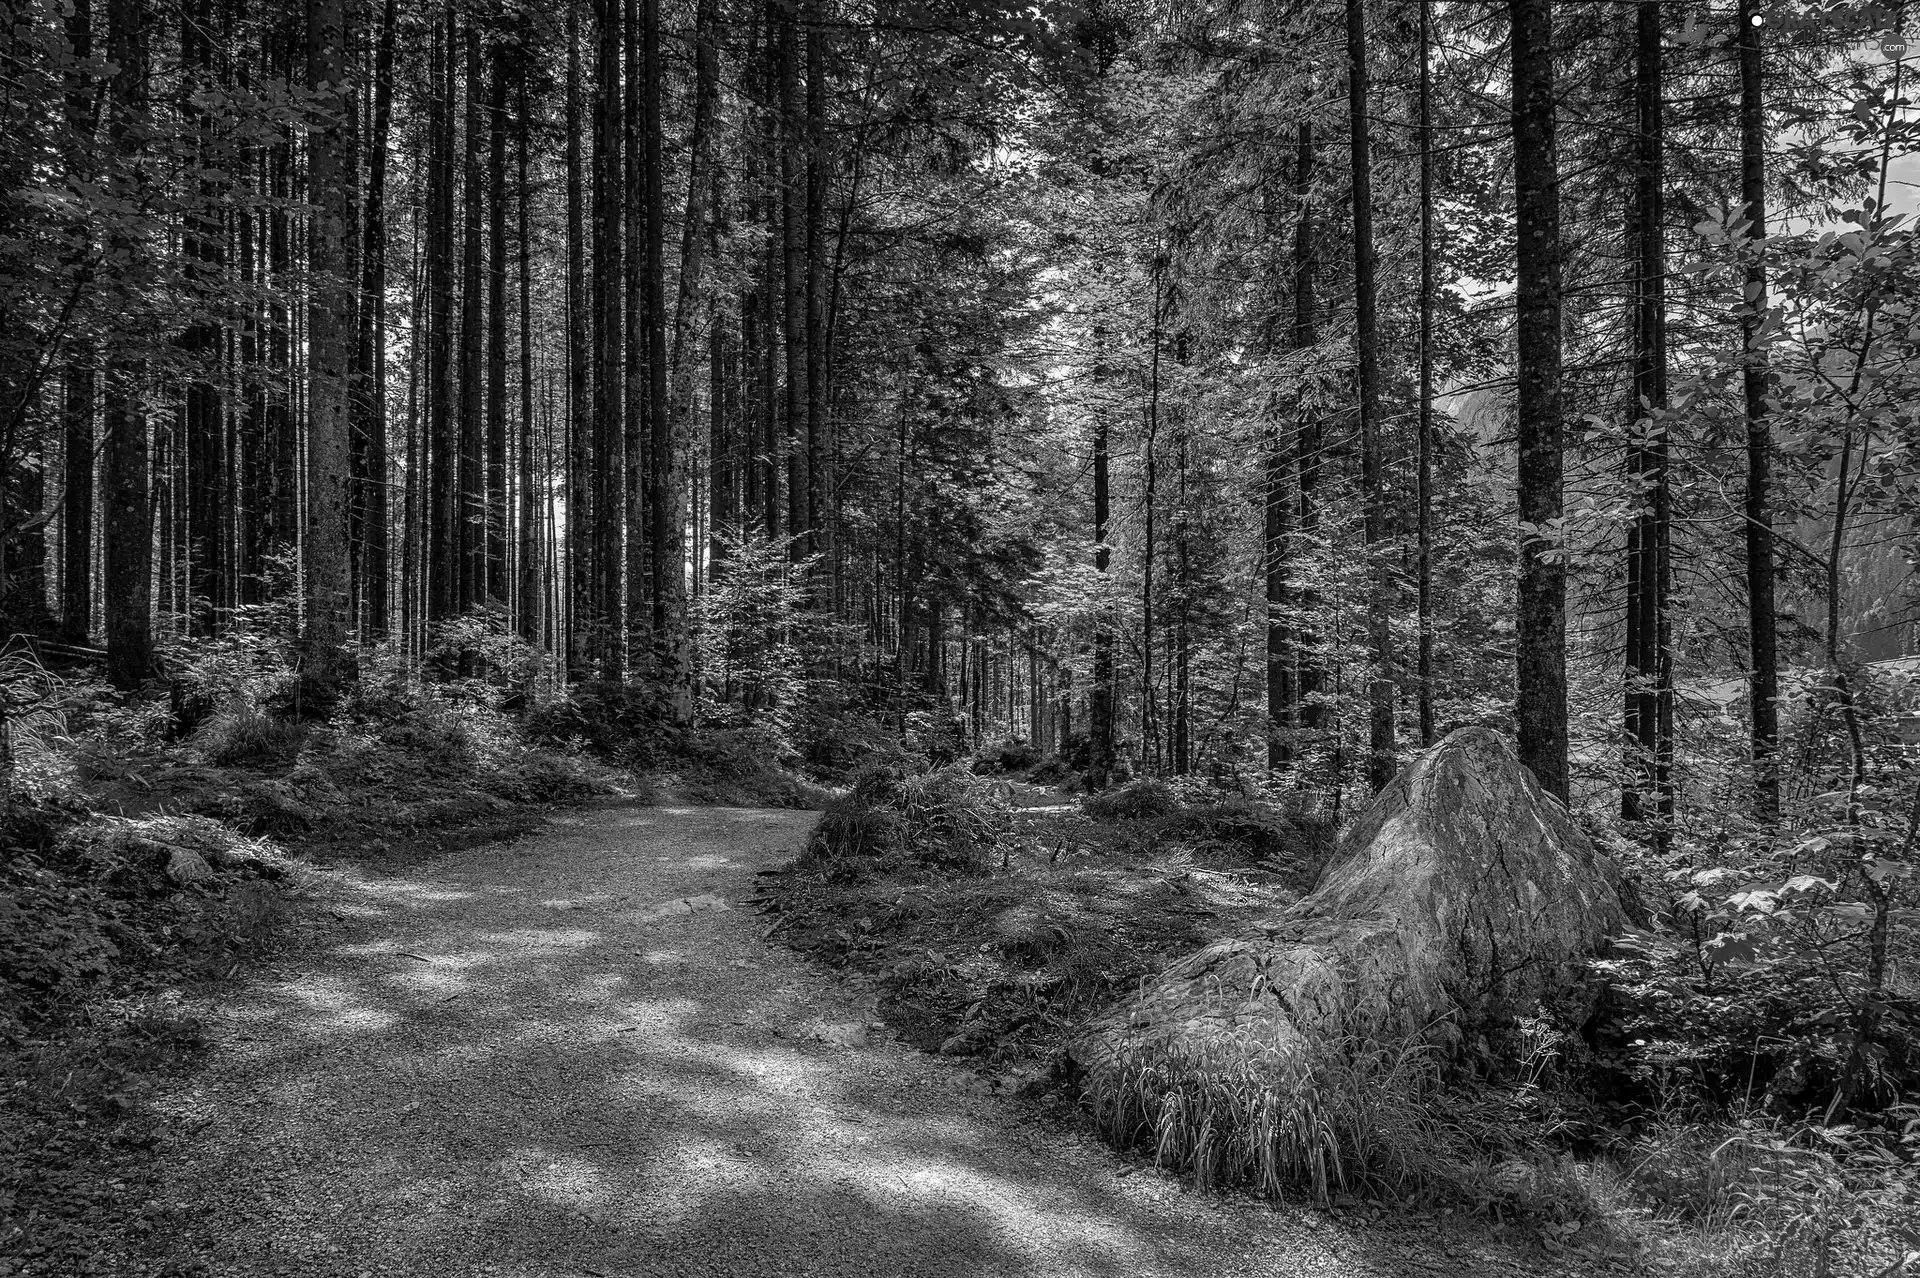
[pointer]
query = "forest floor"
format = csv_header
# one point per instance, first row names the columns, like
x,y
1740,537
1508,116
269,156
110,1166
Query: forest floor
x,y
577,1053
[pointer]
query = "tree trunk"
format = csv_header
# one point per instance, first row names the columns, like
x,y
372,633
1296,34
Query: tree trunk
x,y
1100,696
496,482
1463,899
78,381
442,442
472,497
326,661
1649,700
1423,476
675,432
1762,644
371,362
1381,746
793,287
528,548
607,614
202,423
818,171
1540,706
1310,682
580,366
641,313
129,520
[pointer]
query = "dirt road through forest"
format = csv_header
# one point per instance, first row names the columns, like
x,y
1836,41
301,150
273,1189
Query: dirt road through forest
x,y
569,1056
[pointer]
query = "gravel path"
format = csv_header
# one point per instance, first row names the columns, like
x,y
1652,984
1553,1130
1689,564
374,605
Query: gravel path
x,y
567,1056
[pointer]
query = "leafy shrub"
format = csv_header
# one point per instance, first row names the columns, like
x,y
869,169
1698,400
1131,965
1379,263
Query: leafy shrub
x,y
430,729
1135,801
630,721
52,942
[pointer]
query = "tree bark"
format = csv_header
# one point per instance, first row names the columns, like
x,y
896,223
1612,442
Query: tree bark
x,y
1649,700
443,440
528,524
793,284
1100,696
608,625
495,508
1382,749
674,435
580,366
128,533
818,171
641,314
1762,642
1423,476
472,498
1540,706
326,661
202,424
371,361
78,381
1310,682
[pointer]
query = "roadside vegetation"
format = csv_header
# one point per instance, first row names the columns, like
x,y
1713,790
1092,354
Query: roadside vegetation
x,y
1684,1126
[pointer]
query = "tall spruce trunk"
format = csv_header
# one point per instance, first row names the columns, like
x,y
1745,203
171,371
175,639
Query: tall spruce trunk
x,y
818,171
793,284
201,419
79,382
527,525
673,440
496,482
580,364
607,614
442,442
370,361
472,497
1382,752
1540,703
772,313
326,661
666,487
1423,463
1277,501
1100,696
1649,697
1310,681
1763,653
128,533
637,419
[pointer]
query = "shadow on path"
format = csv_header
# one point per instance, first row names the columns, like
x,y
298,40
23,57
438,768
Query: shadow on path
x,y
568,1056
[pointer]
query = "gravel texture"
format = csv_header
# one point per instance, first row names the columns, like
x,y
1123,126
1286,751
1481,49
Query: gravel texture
x,y
577,1055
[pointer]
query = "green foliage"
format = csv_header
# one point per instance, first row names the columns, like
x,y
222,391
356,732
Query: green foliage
x,y
1350,1116
751,624
944,819
247,734
628,721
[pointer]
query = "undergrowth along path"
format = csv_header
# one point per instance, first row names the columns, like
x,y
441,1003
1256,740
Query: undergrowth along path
x,y
576,1054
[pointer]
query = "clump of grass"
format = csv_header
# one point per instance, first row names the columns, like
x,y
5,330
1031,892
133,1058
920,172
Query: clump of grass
x,y
946,819
1134,801
1346,1116
245,733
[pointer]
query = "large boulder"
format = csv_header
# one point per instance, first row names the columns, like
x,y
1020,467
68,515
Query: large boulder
x,y
1463,898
